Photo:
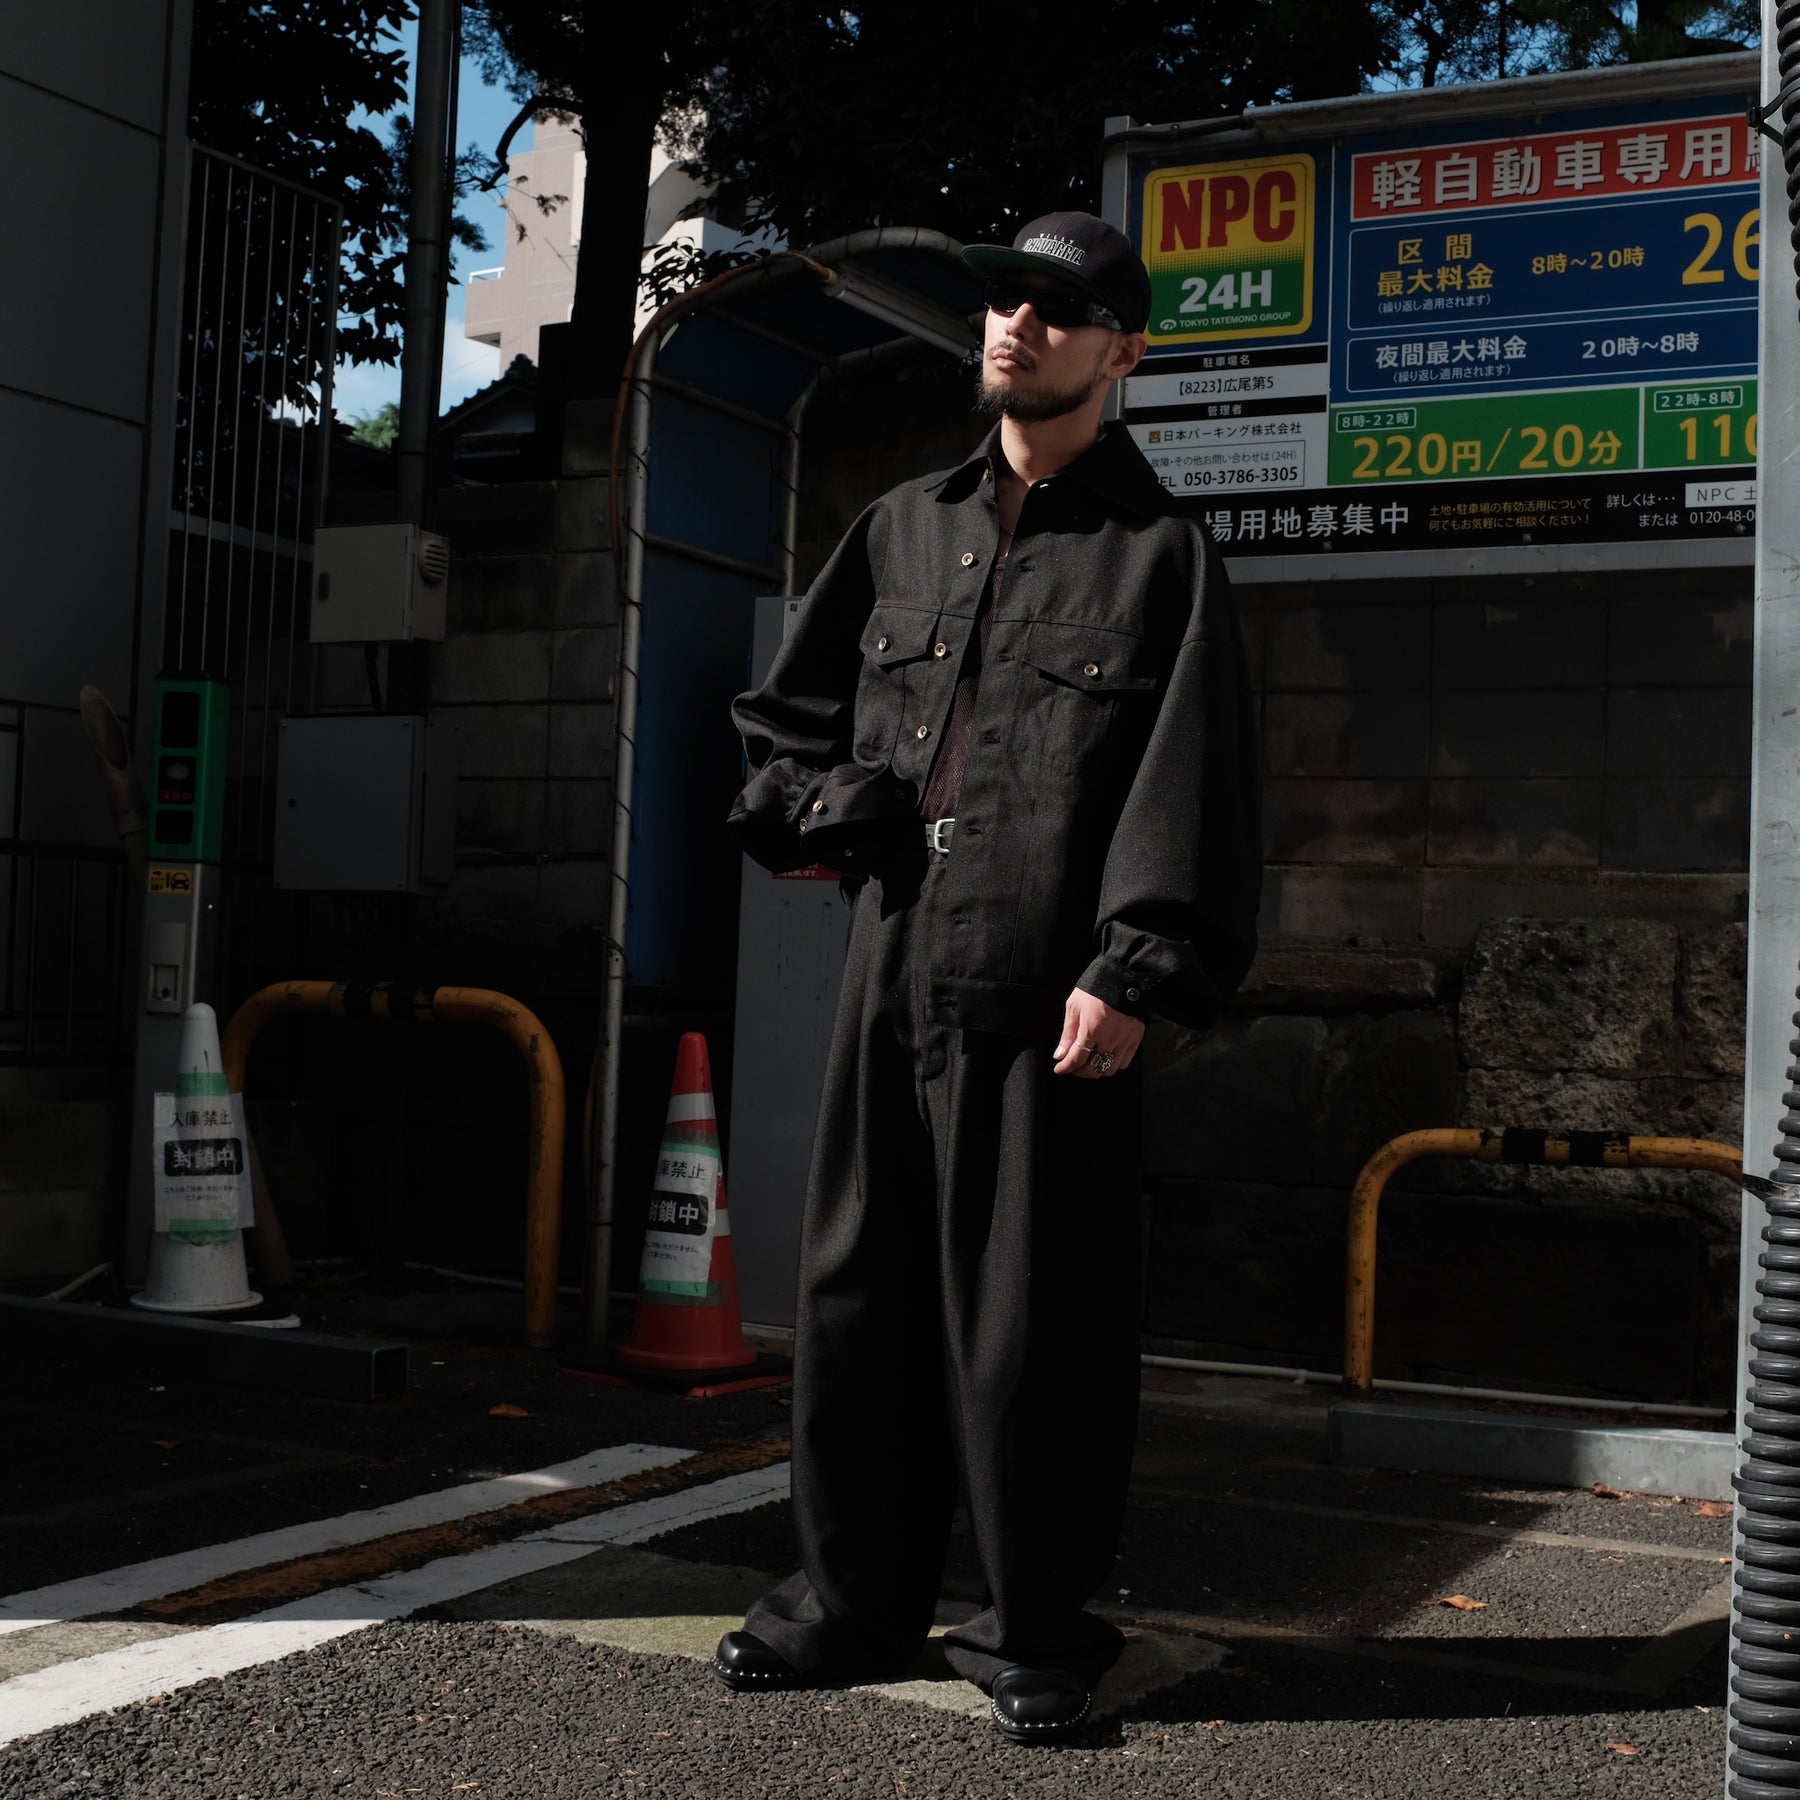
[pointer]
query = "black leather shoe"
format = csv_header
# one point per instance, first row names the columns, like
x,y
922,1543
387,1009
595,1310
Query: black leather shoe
x,y
744,1661
1037,1706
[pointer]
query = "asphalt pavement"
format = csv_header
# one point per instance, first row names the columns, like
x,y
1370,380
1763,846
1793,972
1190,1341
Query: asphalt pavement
x,y
506,1585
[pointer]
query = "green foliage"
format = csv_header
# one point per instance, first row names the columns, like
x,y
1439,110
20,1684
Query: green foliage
x,y
1481,40
969,118
273,83
379,428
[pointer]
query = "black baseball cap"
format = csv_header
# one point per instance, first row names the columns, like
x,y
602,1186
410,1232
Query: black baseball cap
x,y
1083,253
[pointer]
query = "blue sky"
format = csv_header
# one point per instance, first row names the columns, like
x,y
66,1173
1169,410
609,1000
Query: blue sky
x,y
482,114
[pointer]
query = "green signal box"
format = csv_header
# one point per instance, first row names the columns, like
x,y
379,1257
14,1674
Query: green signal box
x,y
187,795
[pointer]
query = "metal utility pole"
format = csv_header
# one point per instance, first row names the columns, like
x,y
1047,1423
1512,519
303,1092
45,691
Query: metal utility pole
x,y
427,255
1764,1753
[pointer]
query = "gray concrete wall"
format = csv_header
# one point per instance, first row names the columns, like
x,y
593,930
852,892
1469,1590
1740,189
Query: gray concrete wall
x,y
91,90
91,98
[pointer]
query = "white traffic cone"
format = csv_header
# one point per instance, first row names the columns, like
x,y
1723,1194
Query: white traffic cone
x,y
201,1170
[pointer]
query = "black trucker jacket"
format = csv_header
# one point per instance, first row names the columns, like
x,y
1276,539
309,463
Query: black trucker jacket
x,y
1108,835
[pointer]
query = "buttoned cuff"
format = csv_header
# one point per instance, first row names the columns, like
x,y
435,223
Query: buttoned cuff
x,y
853,817
1114,985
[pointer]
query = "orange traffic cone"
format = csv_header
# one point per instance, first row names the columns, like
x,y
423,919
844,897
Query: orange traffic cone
x,y
687,1333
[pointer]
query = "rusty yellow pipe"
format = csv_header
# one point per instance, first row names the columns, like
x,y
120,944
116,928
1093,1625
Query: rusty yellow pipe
x,y
268,1242
1484,1145
543,1073
544,1143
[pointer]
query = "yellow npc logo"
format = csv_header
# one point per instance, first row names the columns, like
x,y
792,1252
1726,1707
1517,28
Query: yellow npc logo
x,y
1229,247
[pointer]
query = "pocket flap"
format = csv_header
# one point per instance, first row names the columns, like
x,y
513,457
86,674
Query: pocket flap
x,y
1101,662
897,634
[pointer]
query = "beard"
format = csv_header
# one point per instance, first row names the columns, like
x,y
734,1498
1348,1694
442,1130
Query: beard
x,y
1030,408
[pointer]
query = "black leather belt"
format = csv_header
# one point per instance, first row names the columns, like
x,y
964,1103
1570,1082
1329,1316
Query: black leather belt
x,y
937,835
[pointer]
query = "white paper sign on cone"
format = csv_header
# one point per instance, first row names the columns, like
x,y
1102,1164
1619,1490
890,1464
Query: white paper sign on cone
x,y
685,1215
201,1179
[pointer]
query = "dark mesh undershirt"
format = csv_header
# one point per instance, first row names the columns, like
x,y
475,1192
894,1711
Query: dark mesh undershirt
x,y
943,792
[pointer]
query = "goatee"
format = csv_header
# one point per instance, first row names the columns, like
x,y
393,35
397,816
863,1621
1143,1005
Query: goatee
x,y
995,402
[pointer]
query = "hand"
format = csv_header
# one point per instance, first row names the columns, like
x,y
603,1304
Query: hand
x,y
1090,1025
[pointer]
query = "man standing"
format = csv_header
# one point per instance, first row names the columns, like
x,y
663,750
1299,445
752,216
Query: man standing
x,y
1013,711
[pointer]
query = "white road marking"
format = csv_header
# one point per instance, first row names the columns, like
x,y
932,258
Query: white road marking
x,y
73,1690
132,1585
645,1519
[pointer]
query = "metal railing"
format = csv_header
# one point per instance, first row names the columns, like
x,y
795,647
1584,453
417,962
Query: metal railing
x,y
251,467
546,1103
64,927
252,457
1574,1150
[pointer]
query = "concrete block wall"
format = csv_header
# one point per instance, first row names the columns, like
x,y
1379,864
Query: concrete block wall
x,y
1538,791
525,681
1623,1281
1438,752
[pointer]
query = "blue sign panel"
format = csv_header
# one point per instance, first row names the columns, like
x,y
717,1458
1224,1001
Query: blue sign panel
x,y
1505,332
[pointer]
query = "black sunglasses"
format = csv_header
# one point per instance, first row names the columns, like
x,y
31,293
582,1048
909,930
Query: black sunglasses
x,y
1055,306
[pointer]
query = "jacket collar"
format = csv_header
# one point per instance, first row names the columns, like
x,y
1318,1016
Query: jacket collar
x,y
1113,469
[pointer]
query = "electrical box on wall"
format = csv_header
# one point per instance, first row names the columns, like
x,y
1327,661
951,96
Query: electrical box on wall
x,y
378,584
365,804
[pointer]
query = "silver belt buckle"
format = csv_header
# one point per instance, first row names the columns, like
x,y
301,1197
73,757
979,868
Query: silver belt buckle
x,y
937,835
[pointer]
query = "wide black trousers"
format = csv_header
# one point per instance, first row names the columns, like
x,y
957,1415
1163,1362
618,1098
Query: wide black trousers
x,y
969,1298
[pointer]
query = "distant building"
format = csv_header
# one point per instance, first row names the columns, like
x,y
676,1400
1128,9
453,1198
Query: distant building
x,y
535,285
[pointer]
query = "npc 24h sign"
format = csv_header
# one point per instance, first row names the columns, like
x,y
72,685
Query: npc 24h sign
x,y
1528,331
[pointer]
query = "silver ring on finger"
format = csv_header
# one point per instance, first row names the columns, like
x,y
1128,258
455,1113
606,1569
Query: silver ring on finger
x,y
1100,1061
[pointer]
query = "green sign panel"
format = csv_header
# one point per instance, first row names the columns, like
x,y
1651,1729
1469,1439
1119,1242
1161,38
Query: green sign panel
x,y
187,766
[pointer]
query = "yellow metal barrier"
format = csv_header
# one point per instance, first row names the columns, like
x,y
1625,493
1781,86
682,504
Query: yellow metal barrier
x,y
476,1006
1575,1149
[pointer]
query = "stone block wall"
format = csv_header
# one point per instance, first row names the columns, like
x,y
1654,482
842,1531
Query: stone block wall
x,y
1618,1281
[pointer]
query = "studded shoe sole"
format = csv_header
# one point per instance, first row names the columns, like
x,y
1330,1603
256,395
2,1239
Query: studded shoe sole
x,y
754,1680
1022,1731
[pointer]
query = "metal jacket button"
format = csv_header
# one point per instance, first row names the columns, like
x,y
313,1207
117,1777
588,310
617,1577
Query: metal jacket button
x,y
1131,994
940,649
818,806
1090,669
801,827
968,559
881,643
924,731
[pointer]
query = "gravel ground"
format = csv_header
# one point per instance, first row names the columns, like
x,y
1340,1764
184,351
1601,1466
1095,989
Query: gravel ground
x,y
117,1454
486,1711
1333,1577
123,1466
1568,1609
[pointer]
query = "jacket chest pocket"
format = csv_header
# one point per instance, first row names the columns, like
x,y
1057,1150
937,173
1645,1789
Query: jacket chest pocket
x,y
1084,688
894,641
